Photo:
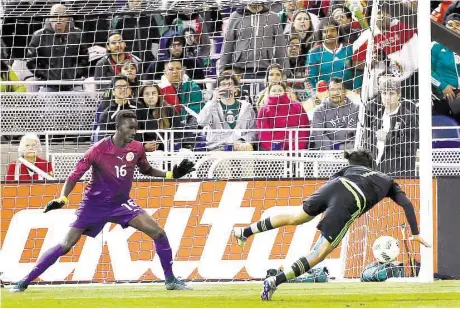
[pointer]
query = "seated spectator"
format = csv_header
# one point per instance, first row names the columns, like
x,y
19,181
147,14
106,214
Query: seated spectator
x,y
287,14
194,67
445,67
330,58
242,93
252,33
7,74
395,45
130,69
351,29
395,132
226,112
28,150
274,75
158,115
56,52
281,112
191,43
302,28
297,68
110,65
121,100
181,92
336,111
138,27
187,18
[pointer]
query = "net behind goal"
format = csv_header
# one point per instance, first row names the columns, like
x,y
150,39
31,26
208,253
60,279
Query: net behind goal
x,y
230,187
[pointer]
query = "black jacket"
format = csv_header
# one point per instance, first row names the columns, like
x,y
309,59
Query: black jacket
x,y
55,56
107,118
402,141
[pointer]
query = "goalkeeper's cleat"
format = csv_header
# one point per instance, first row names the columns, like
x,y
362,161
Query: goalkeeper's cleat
x,y
19,287
176,284
269,289
240,239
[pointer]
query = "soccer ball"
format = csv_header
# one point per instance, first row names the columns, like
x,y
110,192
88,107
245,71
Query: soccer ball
x,y
385,249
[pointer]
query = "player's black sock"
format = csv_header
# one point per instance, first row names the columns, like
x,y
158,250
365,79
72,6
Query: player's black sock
x,y
261,226
301,266
280,278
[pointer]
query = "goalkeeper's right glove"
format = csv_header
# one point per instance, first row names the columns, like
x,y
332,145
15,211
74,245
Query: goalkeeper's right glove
x,y
56,204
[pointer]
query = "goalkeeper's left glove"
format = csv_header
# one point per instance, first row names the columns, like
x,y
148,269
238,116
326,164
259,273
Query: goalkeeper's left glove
x,y
56,204
179,171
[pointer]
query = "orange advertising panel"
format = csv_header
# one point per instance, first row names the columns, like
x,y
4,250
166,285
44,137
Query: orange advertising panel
x,y
198,218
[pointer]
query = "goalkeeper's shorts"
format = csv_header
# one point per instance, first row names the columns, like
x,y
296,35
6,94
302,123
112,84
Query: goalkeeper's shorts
x,y
340,206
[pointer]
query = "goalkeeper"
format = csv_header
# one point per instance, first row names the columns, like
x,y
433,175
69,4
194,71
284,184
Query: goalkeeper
x,y
106,199
349,193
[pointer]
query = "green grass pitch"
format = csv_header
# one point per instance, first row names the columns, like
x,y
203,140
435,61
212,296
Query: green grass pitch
x,y
341,295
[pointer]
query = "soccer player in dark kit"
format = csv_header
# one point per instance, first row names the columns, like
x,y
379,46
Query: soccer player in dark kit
x,y
106,199
347,195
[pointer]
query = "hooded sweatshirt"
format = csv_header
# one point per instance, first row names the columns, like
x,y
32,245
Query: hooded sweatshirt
x,y
329,115
281,112
212,116
250,40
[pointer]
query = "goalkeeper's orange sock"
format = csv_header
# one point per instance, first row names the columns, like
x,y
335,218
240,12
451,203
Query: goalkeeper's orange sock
x,y
260,226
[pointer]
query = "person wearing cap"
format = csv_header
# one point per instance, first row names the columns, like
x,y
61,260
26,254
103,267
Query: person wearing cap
x,y
193,67
394,135
445,68
336,111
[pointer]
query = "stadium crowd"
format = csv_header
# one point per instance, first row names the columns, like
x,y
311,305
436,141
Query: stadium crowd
x,y
309,55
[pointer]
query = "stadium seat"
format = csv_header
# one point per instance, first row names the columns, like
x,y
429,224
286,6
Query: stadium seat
x,y
452,134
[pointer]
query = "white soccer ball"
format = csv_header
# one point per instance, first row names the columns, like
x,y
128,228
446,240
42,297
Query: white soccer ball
x,y
385,249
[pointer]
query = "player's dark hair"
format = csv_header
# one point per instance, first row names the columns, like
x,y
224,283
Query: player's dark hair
x,y
361,157
124,114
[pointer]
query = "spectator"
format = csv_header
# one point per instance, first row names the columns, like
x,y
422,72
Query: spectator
x,y
7,74
445,68
280,113
351,29
121,100
330,58
396,136
274,75
28,150
253,39
242,93
191,43
336,111
187,18
298,69
110,65
396,50
140,31
56,52
130,69
181,92
194,67
302,27
289,7
158,115
226,112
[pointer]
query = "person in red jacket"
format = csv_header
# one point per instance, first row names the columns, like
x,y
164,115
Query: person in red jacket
x,y
281,112
28,150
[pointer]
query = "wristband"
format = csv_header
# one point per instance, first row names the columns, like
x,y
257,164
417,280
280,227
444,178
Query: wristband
x,y
64,199
169,175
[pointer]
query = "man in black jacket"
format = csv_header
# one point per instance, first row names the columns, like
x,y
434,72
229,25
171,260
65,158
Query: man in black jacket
x,y
56,51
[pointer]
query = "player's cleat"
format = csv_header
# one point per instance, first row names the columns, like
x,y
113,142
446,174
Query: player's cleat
x,y
240,239
269,288
176,284
19,287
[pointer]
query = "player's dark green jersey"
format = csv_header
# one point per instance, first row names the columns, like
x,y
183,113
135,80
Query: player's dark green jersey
x,y
374,186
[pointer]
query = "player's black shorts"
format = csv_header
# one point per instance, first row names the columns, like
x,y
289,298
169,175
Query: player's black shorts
x,y
342,204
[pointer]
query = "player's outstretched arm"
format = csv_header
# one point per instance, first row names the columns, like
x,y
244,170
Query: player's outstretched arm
x,y
398,195
178,171
63,200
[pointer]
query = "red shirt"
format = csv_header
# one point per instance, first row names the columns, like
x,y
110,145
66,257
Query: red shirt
x,y
24,174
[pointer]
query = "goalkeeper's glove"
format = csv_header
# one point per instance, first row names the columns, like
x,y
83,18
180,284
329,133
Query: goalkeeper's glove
x,y
56,204
179,171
